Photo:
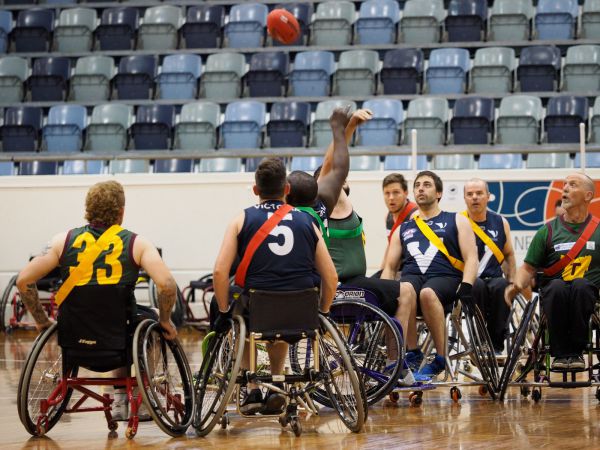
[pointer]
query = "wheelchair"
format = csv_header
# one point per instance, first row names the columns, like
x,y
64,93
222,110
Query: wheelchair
x,y
320,368
530,354
51,383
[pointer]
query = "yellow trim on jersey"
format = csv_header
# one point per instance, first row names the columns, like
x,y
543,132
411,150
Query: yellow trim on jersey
x,y
485,238
435,240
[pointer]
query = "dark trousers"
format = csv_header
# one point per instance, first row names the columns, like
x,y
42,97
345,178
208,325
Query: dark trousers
x,y
489,296
568,307
386,291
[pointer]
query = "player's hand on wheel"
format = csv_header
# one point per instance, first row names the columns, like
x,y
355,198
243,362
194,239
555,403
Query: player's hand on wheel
x,y
168,330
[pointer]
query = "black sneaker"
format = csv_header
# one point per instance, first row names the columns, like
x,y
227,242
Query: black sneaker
x,y
274,404
560,364
576,362
253,403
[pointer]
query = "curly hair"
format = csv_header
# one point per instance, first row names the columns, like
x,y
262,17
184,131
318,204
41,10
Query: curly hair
x,y
104,202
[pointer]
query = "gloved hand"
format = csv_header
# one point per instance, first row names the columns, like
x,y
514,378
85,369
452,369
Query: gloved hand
x,y
222,322
464,294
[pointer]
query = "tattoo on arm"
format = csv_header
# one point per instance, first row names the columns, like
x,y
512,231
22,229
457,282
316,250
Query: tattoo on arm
x,y
31,300
166,300
46,249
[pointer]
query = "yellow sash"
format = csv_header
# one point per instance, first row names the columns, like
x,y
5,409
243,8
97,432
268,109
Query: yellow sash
x,y
87,260
435,240
485,238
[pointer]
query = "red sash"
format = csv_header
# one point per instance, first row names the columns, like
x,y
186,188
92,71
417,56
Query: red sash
x,y
257,239
575,250
409,208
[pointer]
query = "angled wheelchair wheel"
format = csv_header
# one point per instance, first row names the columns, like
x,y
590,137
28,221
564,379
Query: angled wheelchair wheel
x,y
216,380
41,376
12,308
516,351
373,338
164,377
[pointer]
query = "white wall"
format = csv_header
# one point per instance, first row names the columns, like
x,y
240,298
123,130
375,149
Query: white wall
x,y
186,214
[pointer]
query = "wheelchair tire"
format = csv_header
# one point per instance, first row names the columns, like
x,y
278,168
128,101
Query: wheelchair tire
x,y
10,305
516,350
163,371
216,380
43,371
368,331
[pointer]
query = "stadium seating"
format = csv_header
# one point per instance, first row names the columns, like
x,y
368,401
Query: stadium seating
x,y
493,70
118,28
429,116
595,122
267,73
63,131
49,78
152,127
108,128
288,124
178,78
203,27
590,20
91,78
356,73
243,124
333,23
563,116
581,71
6,168
83,167
453,162
303,13
222,77
320,128
13,74
160,28
129,166
365,162
539,68
38,168
377,22
447,72
592,160
197,126
33,30
466,20
220,165
404,162
511,20
21,128
306,163
500,161
384,127
556,19
135,79
518,120
5,29
246,26
402,71
473,120
421,21
173,165
311,74
75,30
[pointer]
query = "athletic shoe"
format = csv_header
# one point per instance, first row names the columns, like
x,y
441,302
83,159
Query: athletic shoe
x,y
434,368
274,403
413,359
120,406
576,362
253,402
560,364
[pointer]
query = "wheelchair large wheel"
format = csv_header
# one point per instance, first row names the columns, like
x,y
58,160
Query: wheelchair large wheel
x,y
515,352
371,334
216,379
12,309
40,377
163,372
517,312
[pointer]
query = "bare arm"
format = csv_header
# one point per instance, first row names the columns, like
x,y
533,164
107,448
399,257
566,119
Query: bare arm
x,y
468,249
224,261
509,266
392,258
521,282
326,269
37,268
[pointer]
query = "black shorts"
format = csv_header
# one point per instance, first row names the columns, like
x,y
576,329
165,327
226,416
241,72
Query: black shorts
x,y
386,291
444,287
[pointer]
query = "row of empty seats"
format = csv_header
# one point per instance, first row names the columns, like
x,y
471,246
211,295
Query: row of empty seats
x,y
333,23
313,73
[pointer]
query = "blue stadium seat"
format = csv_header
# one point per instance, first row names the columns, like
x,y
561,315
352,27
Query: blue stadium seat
x,y
466,20
320,127
311,74
178,78
306,163
243,124
49,78
197,126
33,30
13,74
402,71
447,72
118,28
581,71
83,167
356,73
539,68
75,30
365,162
501,161
473,120
38,168
510,20
246,26
404,162
91,78
173,165
518,120
384,127
453,162
63,131
6,168
590,20
160,28
377,22
429,116
203,27
303,13
556,19
288,124
5,29
135,79
421,21
222,77
267,74
152,127
563,116
332,23
592,160
108,127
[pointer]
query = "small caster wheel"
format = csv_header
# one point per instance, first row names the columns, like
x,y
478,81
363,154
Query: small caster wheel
x,y
525,391
415,399
394,397
468,368
282,421
129,433
113,434
536,395
598,394
113,425
483,391
224,421
296,426
455,394
41,430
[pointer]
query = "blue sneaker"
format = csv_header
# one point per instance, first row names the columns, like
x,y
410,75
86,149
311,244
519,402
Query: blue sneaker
x,y
414,359
433,368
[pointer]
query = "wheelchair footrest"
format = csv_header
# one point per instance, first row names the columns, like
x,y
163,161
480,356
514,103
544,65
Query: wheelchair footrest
x,y
569,384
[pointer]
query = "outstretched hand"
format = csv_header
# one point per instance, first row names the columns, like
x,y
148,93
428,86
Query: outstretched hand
x,y
361,116
339,118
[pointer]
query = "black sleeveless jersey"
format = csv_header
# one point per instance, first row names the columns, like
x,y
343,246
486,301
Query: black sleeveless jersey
x,y
493,226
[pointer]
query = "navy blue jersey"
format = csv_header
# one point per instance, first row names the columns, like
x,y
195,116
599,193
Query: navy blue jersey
x,y
321,211
421,256
493,226
285,260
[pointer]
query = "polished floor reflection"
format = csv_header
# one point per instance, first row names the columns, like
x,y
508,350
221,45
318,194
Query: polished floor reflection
x,y
563,419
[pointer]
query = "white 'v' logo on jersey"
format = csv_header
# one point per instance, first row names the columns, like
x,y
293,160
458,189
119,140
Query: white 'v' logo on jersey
x,y
423,259
484,261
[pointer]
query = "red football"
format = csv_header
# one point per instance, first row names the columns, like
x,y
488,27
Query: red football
x,y
283,26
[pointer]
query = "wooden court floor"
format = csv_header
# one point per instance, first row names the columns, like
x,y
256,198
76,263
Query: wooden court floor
x,y
563,419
